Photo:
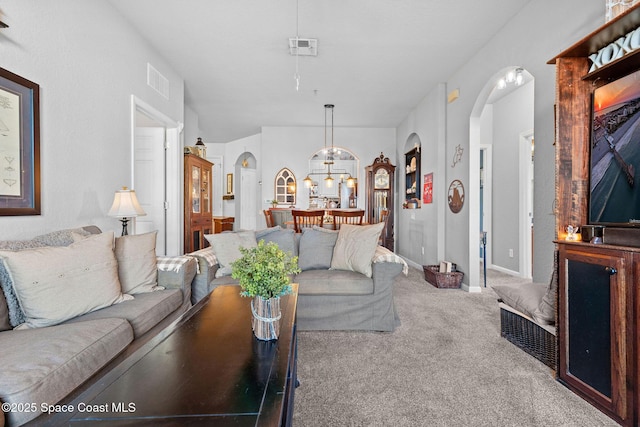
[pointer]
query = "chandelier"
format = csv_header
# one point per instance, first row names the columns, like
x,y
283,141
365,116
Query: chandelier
x,y
329,153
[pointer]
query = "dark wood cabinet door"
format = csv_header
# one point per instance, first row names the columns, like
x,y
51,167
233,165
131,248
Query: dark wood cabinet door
x,y
596,328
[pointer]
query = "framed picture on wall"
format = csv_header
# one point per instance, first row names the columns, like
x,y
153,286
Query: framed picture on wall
x,y
19,145
229,183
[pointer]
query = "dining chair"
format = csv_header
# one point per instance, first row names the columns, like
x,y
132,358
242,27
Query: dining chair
x,y
268,216
307,218
347,217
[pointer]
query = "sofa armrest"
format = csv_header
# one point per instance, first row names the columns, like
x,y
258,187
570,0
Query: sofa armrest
x,y
207,268
177,273
383,275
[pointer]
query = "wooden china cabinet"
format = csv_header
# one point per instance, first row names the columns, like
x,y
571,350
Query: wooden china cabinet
x,y
380,185
198,195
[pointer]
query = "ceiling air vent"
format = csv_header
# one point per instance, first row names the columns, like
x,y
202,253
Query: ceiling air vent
x,y
157,81
304,47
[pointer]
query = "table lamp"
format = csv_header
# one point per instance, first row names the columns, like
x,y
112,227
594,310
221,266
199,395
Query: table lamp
x,y
125,206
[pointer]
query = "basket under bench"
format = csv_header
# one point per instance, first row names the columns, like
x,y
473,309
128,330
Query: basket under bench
x,y
537,340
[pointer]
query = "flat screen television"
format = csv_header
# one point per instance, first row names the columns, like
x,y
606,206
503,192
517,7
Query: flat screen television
x,y
614,193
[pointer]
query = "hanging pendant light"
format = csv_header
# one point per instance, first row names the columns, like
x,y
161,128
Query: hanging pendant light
x,y
329,152
329,179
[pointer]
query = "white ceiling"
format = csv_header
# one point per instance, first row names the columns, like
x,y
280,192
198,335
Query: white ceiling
x,y
376,58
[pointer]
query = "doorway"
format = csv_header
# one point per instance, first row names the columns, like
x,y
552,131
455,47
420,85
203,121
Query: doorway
x,y
486,203
247,192
156,175
501,137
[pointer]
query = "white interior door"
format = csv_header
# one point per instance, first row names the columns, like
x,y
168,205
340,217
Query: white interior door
x,y
149,178
248,194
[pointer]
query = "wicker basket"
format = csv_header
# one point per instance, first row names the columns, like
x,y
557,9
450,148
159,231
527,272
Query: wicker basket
x,y
528,336
442,280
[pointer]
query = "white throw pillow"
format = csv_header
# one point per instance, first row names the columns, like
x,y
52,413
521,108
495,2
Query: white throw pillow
x,y
54,284
136,255
227,246
355,247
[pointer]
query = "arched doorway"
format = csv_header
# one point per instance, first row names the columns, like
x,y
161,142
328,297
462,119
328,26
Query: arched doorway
x,y
501,168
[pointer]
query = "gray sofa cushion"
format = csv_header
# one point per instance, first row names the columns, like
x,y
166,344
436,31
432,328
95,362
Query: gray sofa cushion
x,y
143,312
46,364
316,248
524,298
333,282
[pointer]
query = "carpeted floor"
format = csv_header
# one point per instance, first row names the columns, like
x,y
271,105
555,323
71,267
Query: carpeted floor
x,y
446,365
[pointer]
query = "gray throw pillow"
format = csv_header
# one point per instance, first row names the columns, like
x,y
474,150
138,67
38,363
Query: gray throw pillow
x,y
136,255
355,247
545,314
284,238
316,248
227,246
68,281
524,298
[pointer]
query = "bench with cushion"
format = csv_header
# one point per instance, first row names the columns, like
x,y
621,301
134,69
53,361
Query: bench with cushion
x,y
528,317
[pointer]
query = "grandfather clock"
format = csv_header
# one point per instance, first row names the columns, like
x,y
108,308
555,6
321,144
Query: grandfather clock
x,y
380,187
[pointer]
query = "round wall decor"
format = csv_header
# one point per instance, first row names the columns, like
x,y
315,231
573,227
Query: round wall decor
x,y
456,196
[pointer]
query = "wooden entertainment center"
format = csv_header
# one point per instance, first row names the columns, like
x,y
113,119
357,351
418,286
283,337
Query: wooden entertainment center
x,y
598,297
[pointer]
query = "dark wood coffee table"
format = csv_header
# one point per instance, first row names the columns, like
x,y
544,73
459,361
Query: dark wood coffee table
x,y
208,370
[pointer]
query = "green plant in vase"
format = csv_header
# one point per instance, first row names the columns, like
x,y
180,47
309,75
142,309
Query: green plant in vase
x,y
264,273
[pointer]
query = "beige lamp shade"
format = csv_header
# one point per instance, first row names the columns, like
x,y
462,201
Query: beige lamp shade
x,y
125,204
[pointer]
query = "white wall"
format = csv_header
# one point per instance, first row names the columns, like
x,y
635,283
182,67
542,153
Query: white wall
x,y
422,228
192,131
538,33
88,62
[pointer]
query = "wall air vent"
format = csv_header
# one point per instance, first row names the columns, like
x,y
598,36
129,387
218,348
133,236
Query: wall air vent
x,y
304,47
157,81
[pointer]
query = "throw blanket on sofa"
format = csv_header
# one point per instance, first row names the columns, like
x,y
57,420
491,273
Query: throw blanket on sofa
x,y
385,255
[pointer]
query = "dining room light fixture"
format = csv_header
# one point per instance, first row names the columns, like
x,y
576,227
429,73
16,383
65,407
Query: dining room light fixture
x,y
329,153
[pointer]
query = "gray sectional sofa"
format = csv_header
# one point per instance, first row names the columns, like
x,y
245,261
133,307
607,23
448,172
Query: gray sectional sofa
x,y
50,353
346,281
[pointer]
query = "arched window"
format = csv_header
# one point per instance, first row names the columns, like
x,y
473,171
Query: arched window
x,y
285,187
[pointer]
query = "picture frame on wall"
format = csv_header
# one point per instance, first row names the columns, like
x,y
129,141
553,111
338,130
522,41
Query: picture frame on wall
x,y
19,145
229,183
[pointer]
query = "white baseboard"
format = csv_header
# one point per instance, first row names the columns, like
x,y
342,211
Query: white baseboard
x,y
504,270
